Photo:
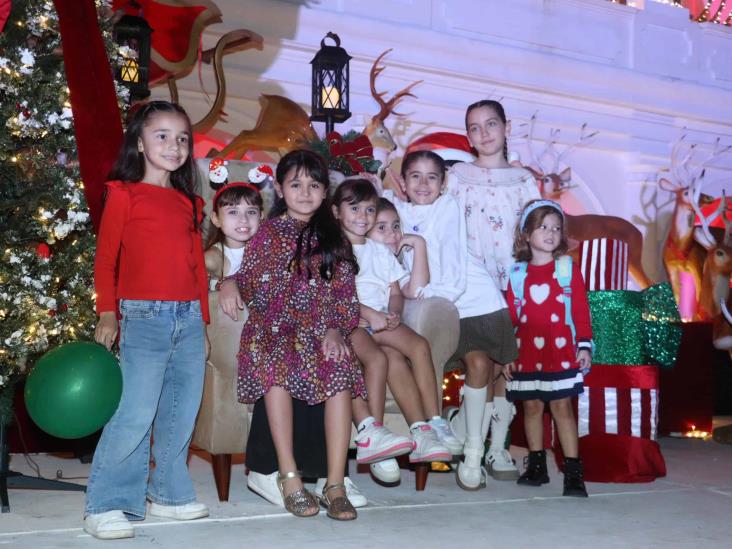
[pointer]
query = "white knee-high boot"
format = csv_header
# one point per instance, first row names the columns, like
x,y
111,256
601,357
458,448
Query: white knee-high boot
x,y
498,460
470,473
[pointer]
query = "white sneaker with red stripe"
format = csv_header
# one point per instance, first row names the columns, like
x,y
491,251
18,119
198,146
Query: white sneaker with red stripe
x,y
376,443
427,446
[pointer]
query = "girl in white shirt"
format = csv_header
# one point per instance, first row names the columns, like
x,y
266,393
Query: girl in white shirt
x,y
379,285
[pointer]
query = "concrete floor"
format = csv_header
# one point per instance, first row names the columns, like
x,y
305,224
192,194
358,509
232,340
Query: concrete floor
x,y
691,507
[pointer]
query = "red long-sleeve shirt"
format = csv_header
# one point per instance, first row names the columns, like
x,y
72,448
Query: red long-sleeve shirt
x,y
147,247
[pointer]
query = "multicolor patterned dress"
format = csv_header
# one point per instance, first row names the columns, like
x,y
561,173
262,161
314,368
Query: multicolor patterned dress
x,y
492,200
289,314
547,365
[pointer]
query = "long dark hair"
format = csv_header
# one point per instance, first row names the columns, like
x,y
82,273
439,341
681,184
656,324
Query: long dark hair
x,y
498,108
353,191
130,163
413,156
322,234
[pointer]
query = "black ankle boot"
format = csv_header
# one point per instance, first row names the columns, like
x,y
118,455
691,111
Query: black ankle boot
x,y
535,473
574,484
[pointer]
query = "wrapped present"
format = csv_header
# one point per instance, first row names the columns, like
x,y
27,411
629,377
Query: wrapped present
x,y
635,327
604,264
617,424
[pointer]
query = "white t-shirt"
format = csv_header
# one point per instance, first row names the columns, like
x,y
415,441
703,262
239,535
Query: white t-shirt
x,y
235,257
442,225
377,270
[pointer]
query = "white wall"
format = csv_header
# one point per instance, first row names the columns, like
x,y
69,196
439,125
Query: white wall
x,y
636,76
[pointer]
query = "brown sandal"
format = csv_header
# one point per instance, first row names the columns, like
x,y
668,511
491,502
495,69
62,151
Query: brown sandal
x,y
300,503
338,508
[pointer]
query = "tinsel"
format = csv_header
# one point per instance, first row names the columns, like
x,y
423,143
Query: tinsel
x,y
635,327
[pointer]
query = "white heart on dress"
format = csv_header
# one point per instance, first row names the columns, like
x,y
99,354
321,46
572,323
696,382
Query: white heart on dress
x,y
560,298
539,366
523,319
561,342
565,364
520,367
554,318
518,343
539,293
539,342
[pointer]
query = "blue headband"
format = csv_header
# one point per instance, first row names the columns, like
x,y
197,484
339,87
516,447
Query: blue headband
x,y
538,204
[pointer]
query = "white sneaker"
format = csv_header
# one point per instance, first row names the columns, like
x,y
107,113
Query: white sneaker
x,y
446,436
427,446
386,471
470,473
188,511
501,466
265,486
353,494
109,525
376,443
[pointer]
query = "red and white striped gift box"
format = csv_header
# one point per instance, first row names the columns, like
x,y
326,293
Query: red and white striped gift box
x,y
619,400
604,264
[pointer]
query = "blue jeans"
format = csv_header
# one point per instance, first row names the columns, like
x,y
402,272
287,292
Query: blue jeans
x,y
162,359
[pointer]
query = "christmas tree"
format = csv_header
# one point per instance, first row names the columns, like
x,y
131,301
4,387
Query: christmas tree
x,y
47,240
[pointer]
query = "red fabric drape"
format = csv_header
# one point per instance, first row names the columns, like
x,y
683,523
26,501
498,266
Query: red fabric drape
x,y
97,121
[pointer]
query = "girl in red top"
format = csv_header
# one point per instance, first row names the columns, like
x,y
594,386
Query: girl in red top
x,y
552,354
151,286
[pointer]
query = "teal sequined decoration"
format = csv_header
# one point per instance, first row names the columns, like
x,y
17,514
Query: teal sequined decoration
x,y
635,327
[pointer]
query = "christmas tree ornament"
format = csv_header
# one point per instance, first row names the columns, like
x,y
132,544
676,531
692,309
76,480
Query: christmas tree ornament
x,y
218,173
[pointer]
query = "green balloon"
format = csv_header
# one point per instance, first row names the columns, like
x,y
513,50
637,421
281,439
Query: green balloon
x,y
74,389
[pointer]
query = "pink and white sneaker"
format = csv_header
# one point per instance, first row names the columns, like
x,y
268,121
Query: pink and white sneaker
x,y
376,443
427,446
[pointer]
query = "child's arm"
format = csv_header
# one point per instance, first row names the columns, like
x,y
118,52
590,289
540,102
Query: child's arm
x,y
376,320
396,306
342,314
420,275
215,262
109,241
510,300
581,318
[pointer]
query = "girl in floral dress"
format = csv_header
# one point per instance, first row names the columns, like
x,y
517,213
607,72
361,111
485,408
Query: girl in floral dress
x,y
298,282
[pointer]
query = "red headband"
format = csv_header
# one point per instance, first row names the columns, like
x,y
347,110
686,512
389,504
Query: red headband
x,y
229,186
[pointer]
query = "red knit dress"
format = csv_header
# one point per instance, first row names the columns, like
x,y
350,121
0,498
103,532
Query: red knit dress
x,y
547,365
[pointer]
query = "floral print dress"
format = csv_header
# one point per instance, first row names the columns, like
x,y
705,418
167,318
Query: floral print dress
x,y
492,200
289,314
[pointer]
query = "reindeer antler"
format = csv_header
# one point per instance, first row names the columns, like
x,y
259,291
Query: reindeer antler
x,y
710,241
583,139
680,168
387,107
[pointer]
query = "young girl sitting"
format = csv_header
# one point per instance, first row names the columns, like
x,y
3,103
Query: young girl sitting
x,y
236,212
549,308
149,273
378,283
298,281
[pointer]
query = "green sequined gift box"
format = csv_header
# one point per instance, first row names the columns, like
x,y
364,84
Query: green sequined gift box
x,y
635,327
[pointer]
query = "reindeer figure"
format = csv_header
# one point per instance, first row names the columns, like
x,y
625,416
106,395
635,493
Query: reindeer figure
x,y
553,183
716,274
682,257
283,125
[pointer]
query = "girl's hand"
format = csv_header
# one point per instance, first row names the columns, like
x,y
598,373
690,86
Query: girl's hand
x,y
363,323
398,185
412,241
375,181
106,330
334,346
584,361
393,320
230,299
378,321
508,370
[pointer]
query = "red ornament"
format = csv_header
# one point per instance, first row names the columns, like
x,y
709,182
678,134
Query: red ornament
x,y
63,308
351,151
52,312
43,250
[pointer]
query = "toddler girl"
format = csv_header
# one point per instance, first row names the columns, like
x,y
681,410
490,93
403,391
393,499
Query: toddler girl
x,y
549,308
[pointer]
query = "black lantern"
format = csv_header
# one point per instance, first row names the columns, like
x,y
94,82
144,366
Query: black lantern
x,y
330,84
134,32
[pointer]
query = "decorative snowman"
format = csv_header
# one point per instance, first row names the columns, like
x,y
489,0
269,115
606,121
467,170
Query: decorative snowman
x,y
218,173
